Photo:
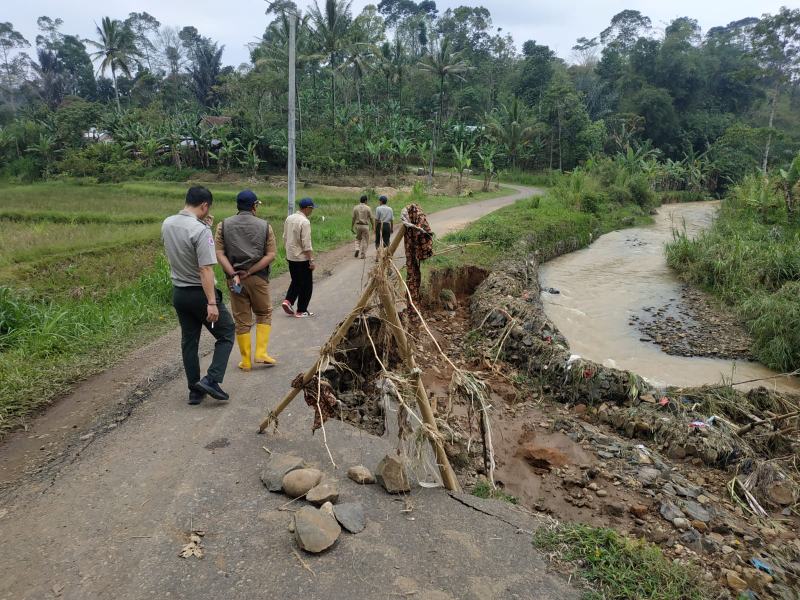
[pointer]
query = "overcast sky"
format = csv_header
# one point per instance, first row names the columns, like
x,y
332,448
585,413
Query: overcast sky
x,y
236,22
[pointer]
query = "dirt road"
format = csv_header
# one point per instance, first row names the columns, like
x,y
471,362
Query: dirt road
x,y
108,519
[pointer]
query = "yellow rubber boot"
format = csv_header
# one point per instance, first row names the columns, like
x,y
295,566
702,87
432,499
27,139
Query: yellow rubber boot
x,y
243,339
262,341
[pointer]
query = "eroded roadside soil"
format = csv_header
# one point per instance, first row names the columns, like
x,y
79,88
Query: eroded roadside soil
x,y
580,453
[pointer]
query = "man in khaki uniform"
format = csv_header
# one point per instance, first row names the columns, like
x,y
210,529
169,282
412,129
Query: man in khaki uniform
x,y
362,224
245,250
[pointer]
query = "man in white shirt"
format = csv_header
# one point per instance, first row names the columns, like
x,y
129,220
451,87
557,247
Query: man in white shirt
x,y
384,222
300,256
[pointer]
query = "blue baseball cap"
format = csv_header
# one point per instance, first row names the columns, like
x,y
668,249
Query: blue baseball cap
x,y
246,200
307,203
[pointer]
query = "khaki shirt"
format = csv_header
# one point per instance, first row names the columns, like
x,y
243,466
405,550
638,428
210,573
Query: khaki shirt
x,y
297,237
362,215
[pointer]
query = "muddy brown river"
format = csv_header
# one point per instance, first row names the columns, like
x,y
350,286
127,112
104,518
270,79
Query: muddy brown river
x,y
603,286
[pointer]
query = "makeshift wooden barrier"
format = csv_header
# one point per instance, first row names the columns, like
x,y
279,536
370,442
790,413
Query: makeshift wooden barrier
x,y
379,284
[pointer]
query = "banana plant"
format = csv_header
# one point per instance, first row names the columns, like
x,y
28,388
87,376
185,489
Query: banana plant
x,y
45,148
403,148
374,153
461,161
226,152
251,160
487,157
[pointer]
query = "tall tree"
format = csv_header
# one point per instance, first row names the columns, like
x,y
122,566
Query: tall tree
x,y
50,36
537,71
625,28
13,66
444,64
776,41
331,27
51,80
144,26
116,50
77,66
510,128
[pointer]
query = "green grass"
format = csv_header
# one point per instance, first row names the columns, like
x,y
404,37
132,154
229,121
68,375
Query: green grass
x,y
540,178
548,225
484,490
619,568
83,278
750,259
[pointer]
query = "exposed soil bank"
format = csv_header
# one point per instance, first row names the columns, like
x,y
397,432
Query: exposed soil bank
x,y
591,444
622,280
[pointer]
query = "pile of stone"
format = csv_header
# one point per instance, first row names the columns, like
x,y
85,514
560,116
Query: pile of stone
x,y
317,525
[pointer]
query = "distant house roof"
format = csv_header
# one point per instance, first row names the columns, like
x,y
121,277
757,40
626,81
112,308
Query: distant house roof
x,y
212,121
96,135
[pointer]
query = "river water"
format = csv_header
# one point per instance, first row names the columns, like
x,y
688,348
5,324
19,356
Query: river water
x,y
622,272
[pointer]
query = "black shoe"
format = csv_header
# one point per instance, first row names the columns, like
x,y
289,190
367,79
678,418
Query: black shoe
x,y
196,396
211,387
356,253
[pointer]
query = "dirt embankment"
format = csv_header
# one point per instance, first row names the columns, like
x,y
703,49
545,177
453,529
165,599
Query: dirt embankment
x,y
708,473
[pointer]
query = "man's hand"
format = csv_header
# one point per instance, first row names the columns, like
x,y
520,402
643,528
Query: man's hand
x,y
209,220
311,265
242,275
212,313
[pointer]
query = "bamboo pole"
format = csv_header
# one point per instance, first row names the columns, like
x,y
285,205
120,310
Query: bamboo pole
x,y
334,340
448,476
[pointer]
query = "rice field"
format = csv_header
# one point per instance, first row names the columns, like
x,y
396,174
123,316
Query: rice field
x,y
83,279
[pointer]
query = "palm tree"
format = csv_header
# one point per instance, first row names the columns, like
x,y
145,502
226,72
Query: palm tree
x,y
509,129
50,72
392,61
444,64
331,28
359,59
116,50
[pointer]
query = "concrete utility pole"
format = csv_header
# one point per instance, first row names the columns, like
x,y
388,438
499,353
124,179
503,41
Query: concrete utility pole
x,y
291,162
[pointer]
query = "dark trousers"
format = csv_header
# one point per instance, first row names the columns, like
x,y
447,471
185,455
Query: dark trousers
x,y
382,230
302,284
191,305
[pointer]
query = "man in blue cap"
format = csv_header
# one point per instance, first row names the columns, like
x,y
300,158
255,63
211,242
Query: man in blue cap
x,y
300,256
245,250
384,223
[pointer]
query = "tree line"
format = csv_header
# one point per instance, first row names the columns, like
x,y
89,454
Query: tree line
x,y
400,84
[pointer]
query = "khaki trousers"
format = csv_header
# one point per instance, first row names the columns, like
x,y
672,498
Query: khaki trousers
x,y
254,300
362,240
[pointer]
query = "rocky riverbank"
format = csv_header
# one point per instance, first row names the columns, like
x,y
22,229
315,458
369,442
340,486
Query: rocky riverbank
x,y
692,325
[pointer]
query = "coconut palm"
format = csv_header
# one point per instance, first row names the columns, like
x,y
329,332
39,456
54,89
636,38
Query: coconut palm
x,y
508,127
359,60
330,28
116,50
444,64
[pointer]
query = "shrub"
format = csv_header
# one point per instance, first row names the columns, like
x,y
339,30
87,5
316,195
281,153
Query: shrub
x,y
640,191
775,325
24,170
